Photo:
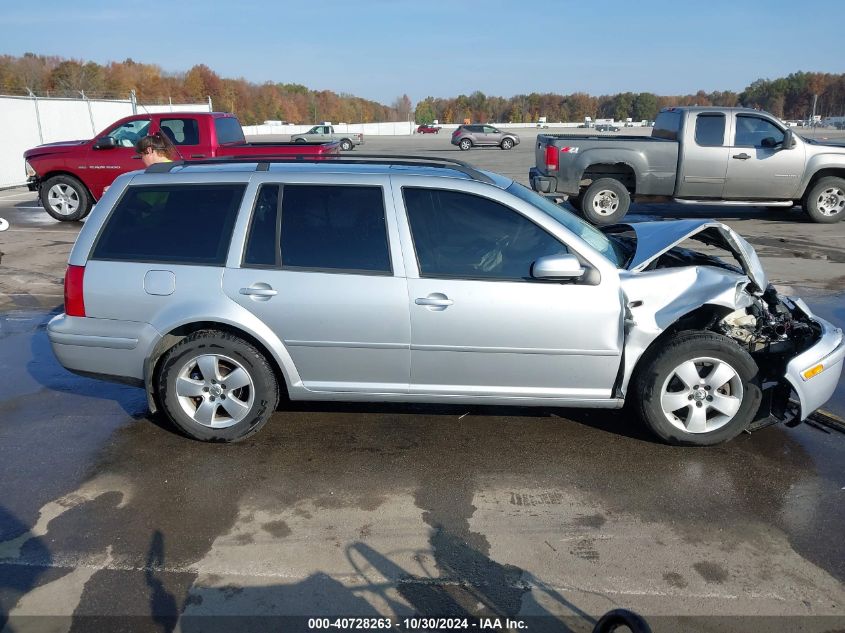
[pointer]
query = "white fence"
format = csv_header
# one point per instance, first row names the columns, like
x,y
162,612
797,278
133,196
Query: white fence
x,y
27,121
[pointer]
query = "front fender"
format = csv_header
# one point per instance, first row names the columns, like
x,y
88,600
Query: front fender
x,y
656,300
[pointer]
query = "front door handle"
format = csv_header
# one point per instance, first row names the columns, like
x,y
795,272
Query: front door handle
x,y
435,302
742,156
425,301
259,291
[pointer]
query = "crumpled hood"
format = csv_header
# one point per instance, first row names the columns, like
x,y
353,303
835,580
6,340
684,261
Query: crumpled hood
x,y
655,238
53,148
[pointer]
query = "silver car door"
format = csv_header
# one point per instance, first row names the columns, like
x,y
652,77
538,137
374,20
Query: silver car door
x,y
479,325
334,292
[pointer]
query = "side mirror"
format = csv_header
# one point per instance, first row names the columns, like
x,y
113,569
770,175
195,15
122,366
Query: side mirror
x,y
105,142
788,139
557,268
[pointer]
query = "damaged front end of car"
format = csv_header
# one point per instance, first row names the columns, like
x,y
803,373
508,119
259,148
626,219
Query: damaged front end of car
x,y
668,289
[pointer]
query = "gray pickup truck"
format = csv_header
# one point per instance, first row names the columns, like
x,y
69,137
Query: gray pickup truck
x,y
348,140
695,155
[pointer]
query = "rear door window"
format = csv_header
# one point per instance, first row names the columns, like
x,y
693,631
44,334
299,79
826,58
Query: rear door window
x,y
181,131
176,224
710,130
228,130
334,228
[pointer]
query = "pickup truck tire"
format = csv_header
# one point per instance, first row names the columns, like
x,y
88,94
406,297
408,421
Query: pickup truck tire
x,y
300,140
465,144
346,145
606,201
65,198
507,143
697,389
824,202
193,391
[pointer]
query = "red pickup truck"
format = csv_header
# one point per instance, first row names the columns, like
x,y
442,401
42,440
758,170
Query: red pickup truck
x,y
71,176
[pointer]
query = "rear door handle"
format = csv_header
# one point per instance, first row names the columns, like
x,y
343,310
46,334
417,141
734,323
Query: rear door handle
x,y
259,292
742,156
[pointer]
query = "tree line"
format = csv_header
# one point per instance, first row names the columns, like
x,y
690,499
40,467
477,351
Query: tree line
x,y
788,97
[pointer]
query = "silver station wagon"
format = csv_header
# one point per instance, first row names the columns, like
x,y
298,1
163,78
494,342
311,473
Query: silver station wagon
x,y
222,287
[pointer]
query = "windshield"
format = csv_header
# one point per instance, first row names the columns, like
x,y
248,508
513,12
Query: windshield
x,y
608,247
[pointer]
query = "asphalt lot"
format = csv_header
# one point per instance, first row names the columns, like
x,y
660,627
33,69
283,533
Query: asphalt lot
x,y
356,510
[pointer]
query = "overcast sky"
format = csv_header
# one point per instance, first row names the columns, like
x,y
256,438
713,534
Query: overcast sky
x,y
379,49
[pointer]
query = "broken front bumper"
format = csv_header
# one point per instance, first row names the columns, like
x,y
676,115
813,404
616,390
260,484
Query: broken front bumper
x,y
815,372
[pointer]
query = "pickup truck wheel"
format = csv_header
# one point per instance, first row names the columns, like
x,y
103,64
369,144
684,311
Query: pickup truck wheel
x,y
65,198
606,201
507,143
216,387
346,145
825,201
300,140
465,144
697,389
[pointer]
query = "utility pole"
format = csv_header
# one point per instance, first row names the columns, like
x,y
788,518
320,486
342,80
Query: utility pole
x,y
815,98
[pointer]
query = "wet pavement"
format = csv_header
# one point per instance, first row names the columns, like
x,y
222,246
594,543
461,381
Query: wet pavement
x,y
396,510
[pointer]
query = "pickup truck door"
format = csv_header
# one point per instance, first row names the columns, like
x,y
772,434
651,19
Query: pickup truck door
x,y
759,166
704,156
480,325
104,165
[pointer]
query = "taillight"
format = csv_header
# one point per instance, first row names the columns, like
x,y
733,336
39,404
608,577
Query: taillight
x,y
552,162
74,297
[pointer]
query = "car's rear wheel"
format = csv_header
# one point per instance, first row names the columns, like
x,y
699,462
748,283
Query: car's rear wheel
x,y
346,145
825,200
216,387
606,201
465,144
65,198
507,143
697,389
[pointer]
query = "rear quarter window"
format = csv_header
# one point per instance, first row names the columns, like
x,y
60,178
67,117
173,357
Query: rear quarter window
x,y
228,130
177,224
667,125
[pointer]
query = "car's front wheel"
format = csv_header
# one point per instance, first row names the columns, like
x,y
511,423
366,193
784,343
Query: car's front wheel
x,y
697,389
507,143
217,387
465,144
66,199
825,201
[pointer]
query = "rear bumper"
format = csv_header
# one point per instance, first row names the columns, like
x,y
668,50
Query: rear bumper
x,y
540,183
105,348
829,352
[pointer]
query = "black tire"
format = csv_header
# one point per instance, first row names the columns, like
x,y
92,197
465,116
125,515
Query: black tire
x,y
227,347
300,140
657,369
824,202
507,143
606,201
65,192
465,144
346,145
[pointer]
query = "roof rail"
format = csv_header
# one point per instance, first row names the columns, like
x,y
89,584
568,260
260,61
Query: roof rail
x,y
263,162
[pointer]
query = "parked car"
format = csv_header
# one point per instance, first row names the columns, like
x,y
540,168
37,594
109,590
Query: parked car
x,y
348,140
468,136
695,155
71,176
360,282
425,128
606,127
